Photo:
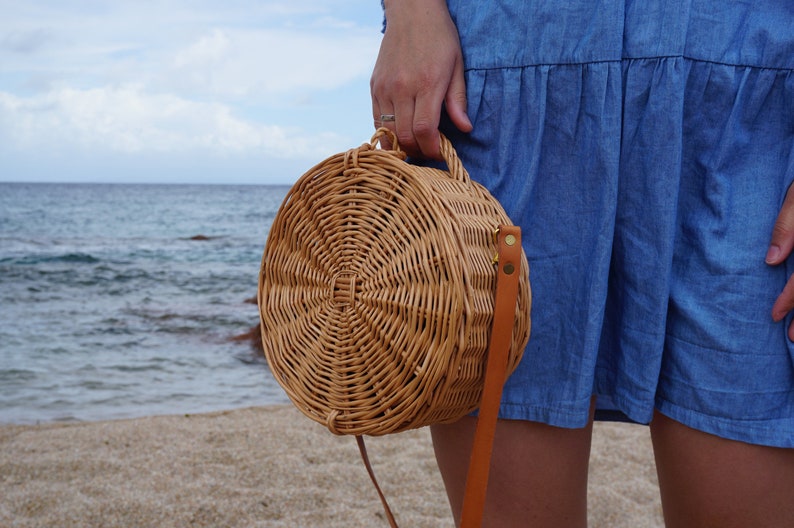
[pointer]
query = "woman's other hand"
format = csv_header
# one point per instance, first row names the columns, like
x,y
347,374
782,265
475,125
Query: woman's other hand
x,y
779,249
419,68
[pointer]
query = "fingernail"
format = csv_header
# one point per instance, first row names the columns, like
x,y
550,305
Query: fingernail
x,y
772,254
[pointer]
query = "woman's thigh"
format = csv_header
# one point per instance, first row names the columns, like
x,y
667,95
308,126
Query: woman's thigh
x,y
708,481
538,472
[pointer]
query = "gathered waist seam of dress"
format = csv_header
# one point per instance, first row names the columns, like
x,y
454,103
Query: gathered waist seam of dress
x,y
630,58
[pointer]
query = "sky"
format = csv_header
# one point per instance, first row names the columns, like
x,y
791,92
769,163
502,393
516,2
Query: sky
x,y
182,91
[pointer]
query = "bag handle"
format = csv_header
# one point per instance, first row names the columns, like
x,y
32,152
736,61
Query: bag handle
x,y
508,262
456,169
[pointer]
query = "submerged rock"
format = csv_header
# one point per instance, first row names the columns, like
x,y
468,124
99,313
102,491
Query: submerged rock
x,y
253,336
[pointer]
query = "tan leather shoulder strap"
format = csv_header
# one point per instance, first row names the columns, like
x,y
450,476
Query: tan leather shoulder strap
x,y
362,448
509,262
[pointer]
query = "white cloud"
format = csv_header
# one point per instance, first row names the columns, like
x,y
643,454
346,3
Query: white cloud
x,y
207,51
128,120
242,48
262,63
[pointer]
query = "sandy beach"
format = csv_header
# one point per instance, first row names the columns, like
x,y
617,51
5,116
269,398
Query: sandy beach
x,y
264,466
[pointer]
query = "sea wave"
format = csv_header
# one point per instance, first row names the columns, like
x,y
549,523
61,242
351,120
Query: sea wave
x,y
35,259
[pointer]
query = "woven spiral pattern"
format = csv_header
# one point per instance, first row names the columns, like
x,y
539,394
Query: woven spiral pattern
x,y
376,291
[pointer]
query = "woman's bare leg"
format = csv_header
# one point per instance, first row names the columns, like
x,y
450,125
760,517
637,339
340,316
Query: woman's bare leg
x,y
707,481
538,472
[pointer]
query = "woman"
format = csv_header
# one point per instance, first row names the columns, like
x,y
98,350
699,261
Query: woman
x,y
645,147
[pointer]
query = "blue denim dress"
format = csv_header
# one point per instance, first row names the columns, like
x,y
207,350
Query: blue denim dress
x,y
645,147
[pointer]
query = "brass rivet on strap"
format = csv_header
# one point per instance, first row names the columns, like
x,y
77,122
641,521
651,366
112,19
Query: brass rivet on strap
x,y
510,240
509,268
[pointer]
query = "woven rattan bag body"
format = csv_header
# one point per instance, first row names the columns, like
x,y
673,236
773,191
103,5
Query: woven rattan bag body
x,y
376,291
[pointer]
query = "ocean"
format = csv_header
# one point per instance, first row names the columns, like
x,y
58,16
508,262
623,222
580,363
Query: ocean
x,y
120,301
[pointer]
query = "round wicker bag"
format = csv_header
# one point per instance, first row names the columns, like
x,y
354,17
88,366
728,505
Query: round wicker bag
x,y
376,291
